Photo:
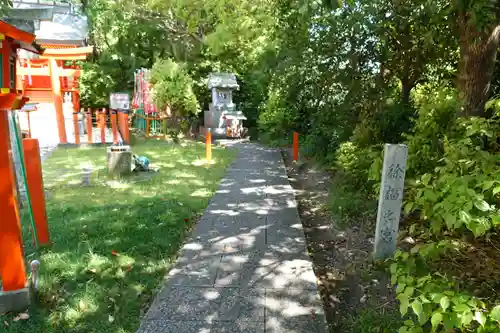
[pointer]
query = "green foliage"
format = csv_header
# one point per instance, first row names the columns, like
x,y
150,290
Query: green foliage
x,y
431,301
98,276
220,35
437,108
461,192
4,6
349,204
173,87
455,189
98,81
276,120
374,321
355,162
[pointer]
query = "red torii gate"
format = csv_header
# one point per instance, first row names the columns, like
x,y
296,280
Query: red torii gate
x,y
51,77
12,266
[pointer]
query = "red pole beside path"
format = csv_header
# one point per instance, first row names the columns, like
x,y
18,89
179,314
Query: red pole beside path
x,y
103,126
89,126
12,269
34,178
126,135
295,146
113,127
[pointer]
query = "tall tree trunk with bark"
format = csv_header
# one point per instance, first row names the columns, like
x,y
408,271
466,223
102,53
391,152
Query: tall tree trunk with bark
x,y
478,52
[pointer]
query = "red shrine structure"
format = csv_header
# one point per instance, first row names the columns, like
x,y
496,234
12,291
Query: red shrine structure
x,y
52,76
50,80
14,294
12,39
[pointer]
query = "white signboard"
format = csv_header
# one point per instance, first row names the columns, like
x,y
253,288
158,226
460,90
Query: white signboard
x,y
119,101
390,200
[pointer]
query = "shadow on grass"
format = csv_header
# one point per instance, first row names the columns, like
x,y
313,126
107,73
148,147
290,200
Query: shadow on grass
x,y
244,267
114,240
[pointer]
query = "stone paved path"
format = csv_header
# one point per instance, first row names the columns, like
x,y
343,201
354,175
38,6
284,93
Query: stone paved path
x,y
245,267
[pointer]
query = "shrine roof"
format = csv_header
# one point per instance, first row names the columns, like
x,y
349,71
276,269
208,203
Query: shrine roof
x,y
25,39
50,20
222,80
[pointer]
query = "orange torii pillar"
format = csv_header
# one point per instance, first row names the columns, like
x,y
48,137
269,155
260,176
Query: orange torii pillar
x,y
33,165
12,269
102,125
58,100
114,127
89,126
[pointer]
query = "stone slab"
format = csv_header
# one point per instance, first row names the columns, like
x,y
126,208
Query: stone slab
x,y
219,304
172,326
18,300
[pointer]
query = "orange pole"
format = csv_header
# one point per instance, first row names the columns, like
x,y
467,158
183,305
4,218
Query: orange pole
x,y
89,125
58,100
126,135
148,121
34,178
12,270
103,126
209,145
295,146
77,128
113,127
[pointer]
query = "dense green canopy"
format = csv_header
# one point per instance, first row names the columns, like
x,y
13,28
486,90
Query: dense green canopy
x,y
348,76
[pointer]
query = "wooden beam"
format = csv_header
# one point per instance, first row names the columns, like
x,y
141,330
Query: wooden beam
x,y
77,53
65,57
45,71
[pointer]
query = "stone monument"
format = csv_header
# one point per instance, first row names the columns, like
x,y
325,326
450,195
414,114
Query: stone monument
x,y
222,119
390,200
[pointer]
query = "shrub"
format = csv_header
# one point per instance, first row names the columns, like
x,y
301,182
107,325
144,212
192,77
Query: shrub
x,y
457,201
276,121
354,162
437,109
173,87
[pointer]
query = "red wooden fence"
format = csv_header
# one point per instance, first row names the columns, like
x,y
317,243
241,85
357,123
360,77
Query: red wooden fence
x,y
88,120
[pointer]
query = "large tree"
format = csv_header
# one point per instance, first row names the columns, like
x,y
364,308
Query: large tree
x,y
478,24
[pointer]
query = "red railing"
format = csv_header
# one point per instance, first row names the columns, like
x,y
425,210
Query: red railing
x,y
124,126
95,126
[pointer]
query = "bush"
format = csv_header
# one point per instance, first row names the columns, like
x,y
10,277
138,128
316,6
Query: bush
x,y
459,216
276,121
354,162
173,87
437,109
348,203
100,79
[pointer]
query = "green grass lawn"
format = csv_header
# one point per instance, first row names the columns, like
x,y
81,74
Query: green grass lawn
x,y
115,240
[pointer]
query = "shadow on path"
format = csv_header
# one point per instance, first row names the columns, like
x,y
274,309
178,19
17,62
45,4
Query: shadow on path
x,y
245,268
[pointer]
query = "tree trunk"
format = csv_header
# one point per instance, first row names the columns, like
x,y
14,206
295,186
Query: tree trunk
x,y
478,52
409,77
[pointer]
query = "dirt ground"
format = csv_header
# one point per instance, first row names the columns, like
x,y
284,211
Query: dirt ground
x,y
349,282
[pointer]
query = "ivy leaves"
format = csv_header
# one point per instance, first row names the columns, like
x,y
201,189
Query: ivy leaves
x,y
434,299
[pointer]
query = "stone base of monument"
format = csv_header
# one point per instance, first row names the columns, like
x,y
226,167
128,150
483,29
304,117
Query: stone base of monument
x,y
15,301
119,160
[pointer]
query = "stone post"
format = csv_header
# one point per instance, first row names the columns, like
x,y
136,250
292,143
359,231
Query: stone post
x,y
390,200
